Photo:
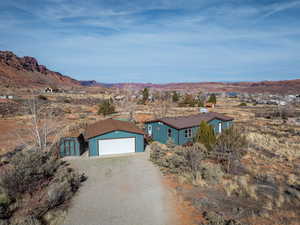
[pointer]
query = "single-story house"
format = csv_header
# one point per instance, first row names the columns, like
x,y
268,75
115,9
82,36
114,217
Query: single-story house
x,y
48,90
209,105
232,94
111,136
181,130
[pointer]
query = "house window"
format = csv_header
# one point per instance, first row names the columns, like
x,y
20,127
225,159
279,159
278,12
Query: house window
x,y
169,132
188,133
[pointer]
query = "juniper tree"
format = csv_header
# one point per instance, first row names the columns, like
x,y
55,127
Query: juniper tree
x,y
212,99
206,135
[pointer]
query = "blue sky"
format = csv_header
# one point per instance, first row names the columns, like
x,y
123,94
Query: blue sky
x,y
157,41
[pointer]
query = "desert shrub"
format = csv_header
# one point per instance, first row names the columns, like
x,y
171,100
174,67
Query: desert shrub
x,y
230,146
29,220
193,156
157,153
58,193
243,104
174,163
26,171
170,143
277,112
67,100
42,97
212,173
214,218
5,200
241,186
106,108
188,101
206,135
36,181
187,162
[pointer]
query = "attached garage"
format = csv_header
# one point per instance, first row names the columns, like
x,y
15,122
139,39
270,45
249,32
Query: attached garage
x,y
116,146
108,137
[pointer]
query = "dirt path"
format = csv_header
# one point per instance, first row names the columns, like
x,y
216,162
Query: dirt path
x,y
121,191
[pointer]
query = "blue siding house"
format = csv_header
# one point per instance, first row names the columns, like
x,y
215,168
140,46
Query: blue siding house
x,y
182,130
111,136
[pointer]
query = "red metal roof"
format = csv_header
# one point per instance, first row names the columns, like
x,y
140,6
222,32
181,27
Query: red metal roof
x,y
109,125
191,121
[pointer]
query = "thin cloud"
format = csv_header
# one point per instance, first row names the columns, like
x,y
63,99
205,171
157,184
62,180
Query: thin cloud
x,y
277,8
154,41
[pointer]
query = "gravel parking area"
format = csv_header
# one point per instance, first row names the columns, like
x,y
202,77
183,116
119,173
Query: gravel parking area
x,y
125,190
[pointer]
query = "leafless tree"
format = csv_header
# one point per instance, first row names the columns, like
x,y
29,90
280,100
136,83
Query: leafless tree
x,y
44,129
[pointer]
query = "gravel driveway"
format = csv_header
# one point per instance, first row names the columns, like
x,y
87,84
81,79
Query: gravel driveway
x,y
125,190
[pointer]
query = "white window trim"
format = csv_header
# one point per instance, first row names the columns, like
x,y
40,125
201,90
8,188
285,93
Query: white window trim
x,y
188,133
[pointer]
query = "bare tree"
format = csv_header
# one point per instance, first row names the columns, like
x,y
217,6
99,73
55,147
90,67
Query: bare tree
x,y
43,129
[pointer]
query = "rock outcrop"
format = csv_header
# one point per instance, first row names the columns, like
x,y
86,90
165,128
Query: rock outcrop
x,y
26,71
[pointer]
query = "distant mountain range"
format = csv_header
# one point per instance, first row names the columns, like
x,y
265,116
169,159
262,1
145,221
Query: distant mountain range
x,y
280,87
27,72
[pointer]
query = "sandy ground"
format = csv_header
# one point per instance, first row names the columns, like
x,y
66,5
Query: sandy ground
x,y
125,190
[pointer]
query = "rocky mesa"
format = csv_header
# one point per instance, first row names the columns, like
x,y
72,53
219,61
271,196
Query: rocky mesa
x,y
26,71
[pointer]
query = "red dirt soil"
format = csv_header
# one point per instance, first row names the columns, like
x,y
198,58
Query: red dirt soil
x,y
187,214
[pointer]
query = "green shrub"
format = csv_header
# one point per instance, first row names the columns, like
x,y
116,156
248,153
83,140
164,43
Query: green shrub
x,y
106,108
67,100
243,104
212,99
145,94
42,97
4,199
175,96
188,101
206,135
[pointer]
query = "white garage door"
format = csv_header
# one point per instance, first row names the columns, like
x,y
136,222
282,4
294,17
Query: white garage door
x,y
116,146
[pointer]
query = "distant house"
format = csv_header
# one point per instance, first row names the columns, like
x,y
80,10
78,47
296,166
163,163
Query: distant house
x,y
203,110
119,97
181,130
6,97
48,90
209,105
232,94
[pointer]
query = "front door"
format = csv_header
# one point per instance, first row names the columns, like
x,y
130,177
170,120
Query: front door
x,y
220,128
150,130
